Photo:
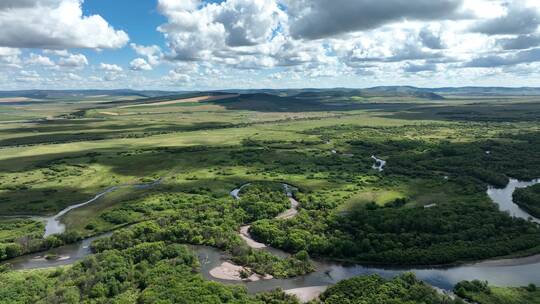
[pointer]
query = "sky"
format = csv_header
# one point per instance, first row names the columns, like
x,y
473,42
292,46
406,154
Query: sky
x,y
225,44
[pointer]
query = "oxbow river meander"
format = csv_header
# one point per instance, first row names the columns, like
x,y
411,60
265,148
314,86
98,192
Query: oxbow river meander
x,y
509,272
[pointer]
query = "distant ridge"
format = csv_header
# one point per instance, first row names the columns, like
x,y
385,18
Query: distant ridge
x,y
486,91
469,90
379,91
397,91
404,91
372,92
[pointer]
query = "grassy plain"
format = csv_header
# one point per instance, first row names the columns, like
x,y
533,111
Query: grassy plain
x,y
442,153
482,293
216,145
501,295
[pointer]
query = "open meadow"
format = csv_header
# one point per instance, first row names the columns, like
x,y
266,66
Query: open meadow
x,y
427,205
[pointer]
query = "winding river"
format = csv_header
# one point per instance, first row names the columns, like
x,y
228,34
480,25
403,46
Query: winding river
x,y
55,226
503,197
67,255
510,272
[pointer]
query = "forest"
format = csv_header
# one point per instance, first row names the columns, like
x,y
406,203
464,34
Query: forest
x,y
414,236
375,289
528,199
149,272
403,230
200,220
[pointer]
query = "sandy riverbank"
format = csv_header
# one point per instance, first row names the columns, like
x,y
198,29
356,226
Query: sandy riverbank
x,y
230,272
244,234
307,294
290,213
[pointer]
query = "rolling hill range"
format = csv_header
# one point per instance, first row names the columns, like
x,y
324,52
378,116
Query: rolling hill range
x,y
306,93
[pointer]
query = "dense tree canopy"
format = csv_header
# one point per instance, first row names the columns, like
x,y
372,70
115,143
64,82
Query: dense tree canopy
x,y
529,199
200,220
147,273
405,289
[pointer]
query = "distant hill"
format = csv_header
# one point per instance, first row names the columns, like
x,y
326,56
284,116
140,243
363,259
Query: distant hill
x,y
313,93
465,91
486,91
426,93
267,102
344,92
326,100
371,92
401,91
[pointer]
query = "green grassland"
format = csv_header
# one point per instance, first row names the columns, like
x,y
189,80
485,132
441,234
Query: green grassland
x,y
483,293
47,165
435,151
500,295
12,229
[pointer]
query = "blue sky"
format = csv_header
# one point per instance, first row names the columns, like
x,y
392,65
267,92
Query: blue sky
x,y
140,20
194,44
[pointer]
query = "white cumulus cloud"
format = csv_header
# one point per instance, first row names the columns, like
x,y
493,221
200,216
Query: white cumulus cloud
x,y
152,53
55,24
177,77
73,60
10,56
110,67
197,31
36,59
139,64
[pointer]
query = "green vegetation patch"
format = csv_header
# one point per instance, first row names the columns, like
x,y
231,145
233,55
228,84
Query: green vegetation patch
x,y
436,154
201,220
378,197
18,236
150,272
13,229
262,201
405,288
529,199
481,293
396,234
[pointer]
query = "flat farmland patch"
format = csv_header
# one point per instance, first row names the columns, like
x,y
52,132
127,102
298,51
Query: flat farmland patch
x,y
109,113
184,100
14,99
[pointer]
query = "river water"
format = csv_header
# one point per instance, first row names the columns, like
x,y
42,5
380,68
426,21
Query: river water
x,y
511,272
67,254
54,224
503,197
